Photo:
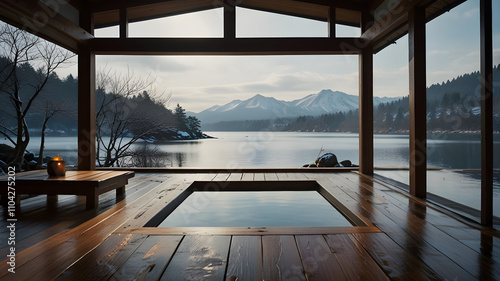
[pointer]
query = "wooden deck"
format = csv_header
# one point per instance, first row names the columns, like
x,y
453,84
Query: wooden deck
x,y
411,239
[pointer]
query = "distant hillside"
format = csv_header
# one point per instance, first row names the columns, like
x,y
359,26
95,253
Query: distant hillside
x,y
261,108
465,85
65,92
452,106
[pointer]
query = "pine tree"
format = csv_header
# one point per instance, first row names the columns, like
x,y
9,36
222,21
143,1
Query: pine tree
x,y
181,118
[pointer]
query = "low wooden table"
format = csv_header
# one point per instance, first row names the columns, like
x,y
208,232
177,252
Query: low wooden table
x,y
88,183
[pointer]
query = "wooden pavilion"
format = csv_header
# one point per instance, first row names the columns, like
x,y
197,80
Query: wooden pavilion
x,y
406,237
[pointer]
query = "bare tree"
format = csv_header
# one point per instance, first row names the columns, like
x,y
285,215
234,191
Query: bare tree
x,y
50,108
19,48
126,112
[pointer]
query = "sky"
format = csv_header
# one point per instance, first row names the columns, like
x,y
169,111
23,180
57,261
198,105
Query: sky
x,y
199,82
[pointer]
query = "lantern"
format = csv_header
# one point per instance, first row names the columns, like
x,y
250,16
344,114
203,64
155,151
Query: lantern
x,y
56,167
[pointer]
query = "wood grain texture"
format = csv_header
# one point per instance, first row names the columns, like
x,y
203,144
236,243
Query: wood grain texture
x,y
105,259
318,259
149,260
397,263
248,230
50,257
420,240
199,258
352,257
245,259
417,100
281,258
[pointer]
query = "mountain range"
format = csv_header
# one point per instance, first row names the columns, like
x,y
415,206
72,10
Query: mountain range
x,y
260,107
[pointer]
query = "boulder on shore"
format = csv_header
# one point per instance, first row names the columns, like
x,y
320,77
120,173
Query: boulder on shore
x,y
329,160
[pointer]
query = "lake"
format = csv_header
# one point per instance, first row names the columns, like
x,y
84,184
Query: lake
x,y
294,149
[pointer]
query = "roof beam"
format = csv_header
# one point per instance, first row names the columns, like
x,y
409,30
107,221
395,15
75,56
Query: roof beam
x,y
102,6
44,21
344,4
393,19
224,46
107,15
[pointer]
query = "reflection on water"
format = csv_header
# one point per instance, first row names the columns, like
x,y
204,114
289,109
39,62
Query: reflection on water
x,y
255,209
463,187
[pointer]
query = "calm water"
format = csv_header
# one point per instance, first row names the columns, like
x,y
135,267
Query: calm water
x,y
294,149
255,209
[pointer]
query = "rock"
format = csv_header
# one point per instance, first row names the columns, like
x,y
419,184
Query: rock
x,y
29,156
326,160
46,159
329,160
32,164
346,163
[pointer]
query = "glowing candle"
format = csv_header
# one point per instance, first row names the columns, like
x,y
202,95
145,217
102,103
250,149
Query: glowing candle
x,y
56,167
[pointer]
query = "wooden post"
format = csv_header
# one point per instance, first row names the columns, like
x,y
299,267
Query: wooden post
x,y
366,111
486,47
86,100
331,22
123,23
229,19
366,103
418,118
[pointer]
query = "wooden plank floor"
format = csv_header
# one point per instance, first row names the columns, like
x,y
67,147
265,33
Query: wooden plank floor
x,y
417,240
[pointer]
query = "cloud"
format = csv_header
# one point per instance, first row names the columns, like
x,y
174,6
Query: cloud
x,y
471,13
295,82
442,52
155,65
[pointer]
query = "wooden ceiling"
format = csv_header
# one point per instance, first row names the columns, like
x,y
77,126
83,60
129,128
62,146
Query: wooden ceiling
x,y
390,17
106,14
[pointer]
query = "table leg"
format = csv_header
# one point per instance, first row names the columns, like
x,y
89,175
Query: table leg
x,y
120,191
92,199
52,199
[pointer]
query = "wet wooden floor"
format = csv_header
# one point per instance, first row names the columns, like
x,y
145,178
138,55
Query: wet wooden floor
x,y
410,239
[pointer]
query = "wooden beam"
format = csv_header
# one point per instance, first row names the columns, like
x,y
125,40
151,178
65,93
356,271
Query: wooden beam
x,y
86,101
393,18
229,19
486,47
418,118
332,33
366,103
45,22
123,23
100,6
353,5
224,46
366,111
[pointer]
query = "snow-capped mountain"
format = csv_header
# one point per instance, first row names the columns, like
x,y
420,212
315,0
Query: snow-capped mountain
x,y
327,101
259,107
